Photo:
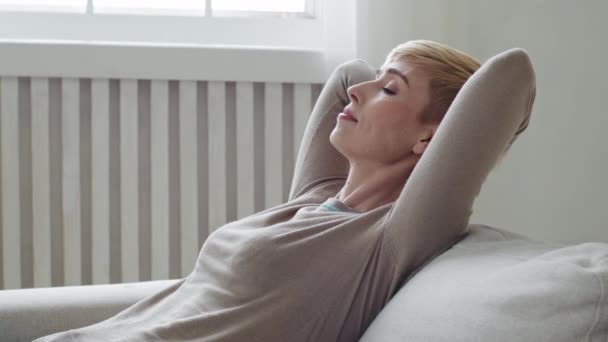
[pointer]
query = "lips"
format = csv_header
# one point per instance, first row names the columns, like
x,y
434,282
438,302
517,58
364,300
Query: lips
x,y
349,113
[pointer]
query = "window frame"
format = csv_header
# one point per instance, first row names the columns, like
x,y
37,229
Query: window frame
x,y
167,47
249,28
162,61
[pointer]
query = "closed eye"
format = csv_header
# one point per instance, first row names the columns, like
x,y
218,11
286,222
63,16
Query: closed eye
x,y
388,91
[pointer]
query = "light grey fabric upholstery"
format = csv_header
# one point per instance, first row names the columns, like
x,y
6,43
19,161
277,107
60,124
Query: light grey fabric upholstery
x,y
499,286
26,314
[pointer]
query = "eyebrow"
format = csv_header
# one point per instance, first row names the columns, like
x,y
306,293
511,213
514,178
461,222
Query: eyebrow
x,y
394,72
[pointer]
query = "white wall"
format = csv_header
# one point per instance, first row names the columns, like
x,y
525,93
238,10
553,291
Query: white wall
x,y
552,184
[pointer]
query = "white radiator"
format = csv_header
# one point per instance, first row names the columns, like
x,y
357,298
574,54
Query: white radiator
x,y
120,180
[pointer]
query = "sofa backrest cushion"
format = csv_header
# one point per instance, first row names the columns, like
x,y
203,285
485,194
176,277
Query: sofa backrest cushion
x,y
495,285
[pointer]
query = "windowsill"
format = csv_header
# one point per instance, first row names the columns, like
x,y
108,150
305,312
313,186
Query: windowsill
x,y
98,59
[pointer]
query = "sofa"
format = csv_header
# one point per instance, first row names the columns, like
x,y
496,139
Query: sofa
x,y
493,285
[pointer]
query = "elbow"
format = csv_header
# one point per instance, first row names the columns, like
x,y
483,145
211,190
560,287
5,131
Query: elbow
x,y
517,63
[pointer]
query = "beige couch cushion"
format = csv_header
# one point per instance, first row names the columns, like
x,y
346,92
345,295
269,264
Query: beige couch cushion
x,y
26,314
499,286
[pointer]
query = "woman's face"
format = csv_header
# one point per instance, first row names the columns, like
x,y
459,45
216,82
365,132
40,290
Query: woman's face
x,y
386,109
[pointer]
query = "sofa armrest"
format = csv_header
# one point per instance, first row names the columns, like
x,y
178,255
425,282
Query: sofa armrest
x,y
26,314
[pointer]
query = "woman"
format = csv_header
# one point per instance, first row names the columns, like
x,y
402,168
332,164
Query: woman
x,y
360,219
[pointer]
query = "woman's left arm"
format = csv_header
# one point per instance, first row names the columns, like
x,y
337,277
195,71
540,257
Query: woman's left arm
x,y
433,209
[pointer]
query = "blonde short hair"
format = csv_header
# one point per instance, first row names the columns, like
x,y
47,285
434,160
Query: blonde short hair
x,y
448,70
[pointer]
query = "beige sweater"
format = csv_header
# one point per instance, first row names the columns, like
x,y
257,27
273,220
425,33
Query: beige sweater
x,y
314,269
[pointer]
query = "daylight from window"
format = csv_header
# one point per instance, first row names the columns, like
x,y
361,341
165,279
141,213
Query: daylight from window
x,y
44,5
260,5
153,6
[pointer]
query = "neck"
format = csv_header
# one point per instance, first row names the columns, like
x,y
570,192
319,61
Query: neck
x,y
371,186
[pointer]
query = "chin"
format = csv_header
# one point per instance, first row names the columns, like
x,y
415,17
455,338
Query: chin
x,y
334,140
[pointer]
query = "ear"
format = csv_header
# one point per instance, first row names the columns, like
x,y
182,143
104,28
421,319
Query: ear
x,y
424,141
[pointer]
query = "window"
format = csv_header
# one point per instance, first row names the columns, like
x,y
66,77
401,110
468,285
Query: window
x,y
173,7
159,7
177,39
266,23
78,6
260,5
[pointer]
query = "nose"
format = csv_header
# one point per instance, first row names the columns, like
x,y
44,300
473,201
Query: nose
x,y
353,93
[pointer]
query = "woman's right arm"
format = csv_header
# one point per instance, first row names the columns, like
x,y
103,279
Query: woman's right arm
x,y
318,159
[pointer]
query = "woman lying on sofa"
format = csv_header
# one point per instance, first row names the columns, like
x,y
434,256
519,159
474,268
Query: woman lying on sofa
x,y
386,176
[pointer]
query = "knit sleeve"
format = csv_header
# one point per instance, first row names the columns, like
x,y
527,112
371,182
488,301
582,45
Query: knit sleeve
x,y
433,209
